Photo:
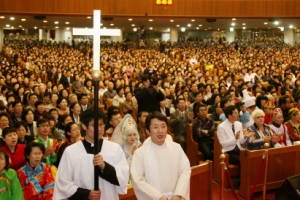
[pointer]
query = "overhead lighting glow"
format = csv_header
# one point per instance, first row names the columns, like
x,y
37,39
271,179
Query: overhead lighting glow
x,y
233,19
232,24
178,25
197,28
89,17
244,24
56,27
45,21
189,25
200,25
182,29
20,26
192,20
244,27
231,29
134,29
276,22
2,17
132,24
150,20
282,28
12,18
265,23
291,26
150,28
112,24
35,27
67,22
171,20
23,20
68,28
168,29
7,25
129,19
56,22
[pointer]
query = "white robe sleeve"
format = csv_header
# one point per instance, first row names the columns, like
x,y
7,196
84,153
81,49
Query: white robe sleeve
x,y
64,186
142,189
183,184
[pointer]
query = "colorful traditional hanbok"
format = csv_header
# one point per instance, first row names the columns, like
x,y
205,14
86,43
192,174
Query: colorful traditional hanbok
x,y
10,188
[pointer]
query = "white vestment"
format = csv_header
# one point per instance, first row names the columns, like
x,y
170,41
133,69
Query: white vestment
x,y
76,169
160,170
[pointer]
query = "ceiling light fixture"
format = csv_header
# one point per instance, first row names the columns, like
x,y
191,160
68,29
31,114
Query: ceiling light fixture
x,y
232,24
233,19
276,22
112,24
134,29
189,25
231,29
150,28
129,19
132,24
182,29
45,21
89,17
12,18
150,20
200,25
266,23
192,20
56,22
7,25
291,26
23,20
171,20
67,22
2,17
178,25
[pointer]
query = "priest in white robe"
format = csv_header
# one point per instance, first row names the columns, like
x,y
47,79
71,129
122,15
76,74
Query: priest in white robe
x,y
75,175
160,169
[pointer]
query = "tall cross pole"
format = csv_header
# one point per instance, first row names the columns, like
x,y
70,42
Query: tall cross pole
x,y
96,32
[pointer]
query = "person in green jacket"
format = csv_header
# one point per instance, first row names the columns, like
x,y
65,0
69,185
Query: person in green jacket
x,y
10,187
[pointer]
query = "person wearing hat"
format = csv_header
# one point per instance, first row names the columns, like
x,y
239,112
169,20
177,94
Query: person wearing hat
x,y
249,104
279,129
268,110
293,125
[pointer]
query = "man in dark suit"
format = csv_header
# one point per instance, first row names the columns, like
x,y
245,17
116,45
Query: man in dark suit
x,y
163,109
57,76
179,119
83,100
66,79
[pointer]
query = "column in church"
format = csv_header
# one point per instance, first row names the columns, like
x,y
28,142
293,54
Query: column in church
x,y
117,38
43,34
173,35
59,35
289,36
230,36
1,38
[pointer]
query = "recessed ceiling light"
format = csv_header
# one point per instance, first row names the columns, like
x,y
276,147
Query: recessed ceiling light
x,y
233,19
20,26
218,29
12,18
244,27
178,25
182,29
101,24
56,22
192,20
150,20
68,28
231,29
2,17
168,29
35,27
232,24
205,29
197,28
134,29
23,20
150,28
276,22
200,25
244,24
89,17
112,24
56,27
45,21
67,22
291,26
132,24
171,20
130,19
12,27
7,25
265,23
189,25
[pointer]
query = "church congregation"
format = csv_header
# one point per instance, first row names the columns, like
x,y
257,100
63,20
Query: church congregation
x,y
248,92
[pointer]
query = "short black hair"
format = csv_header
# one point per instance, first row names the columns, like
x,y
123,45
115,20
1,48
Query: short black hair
x,y
8,130
89,115
224,101
21,124
25,112
229,110
29,147
155,115
81,95
282,99
37,103
5,114
6,157
68,129
42,121
16,102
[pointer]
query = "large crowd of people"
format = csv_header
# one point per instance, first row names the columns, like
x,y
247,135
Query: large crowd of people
x,y
248,91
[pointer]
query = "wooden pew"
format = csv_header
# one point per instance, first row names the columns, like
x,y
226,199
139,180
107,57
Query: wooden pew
x,y
234,170
200,183
192,152
109,103
121,109
283,163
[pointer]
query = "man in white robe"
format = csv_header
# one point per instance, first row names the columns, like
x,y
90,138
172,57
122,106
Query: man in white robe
x,y
75,175
160,169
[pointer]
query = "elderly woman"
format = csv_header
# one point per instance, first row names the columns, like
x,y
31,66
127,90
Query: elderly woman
x,y
35,176
293,125
279,129
262,132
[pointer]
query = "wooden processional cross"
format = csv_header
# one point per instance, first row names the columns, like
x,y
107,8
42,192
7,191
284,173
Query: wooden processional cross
x,y
96,32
